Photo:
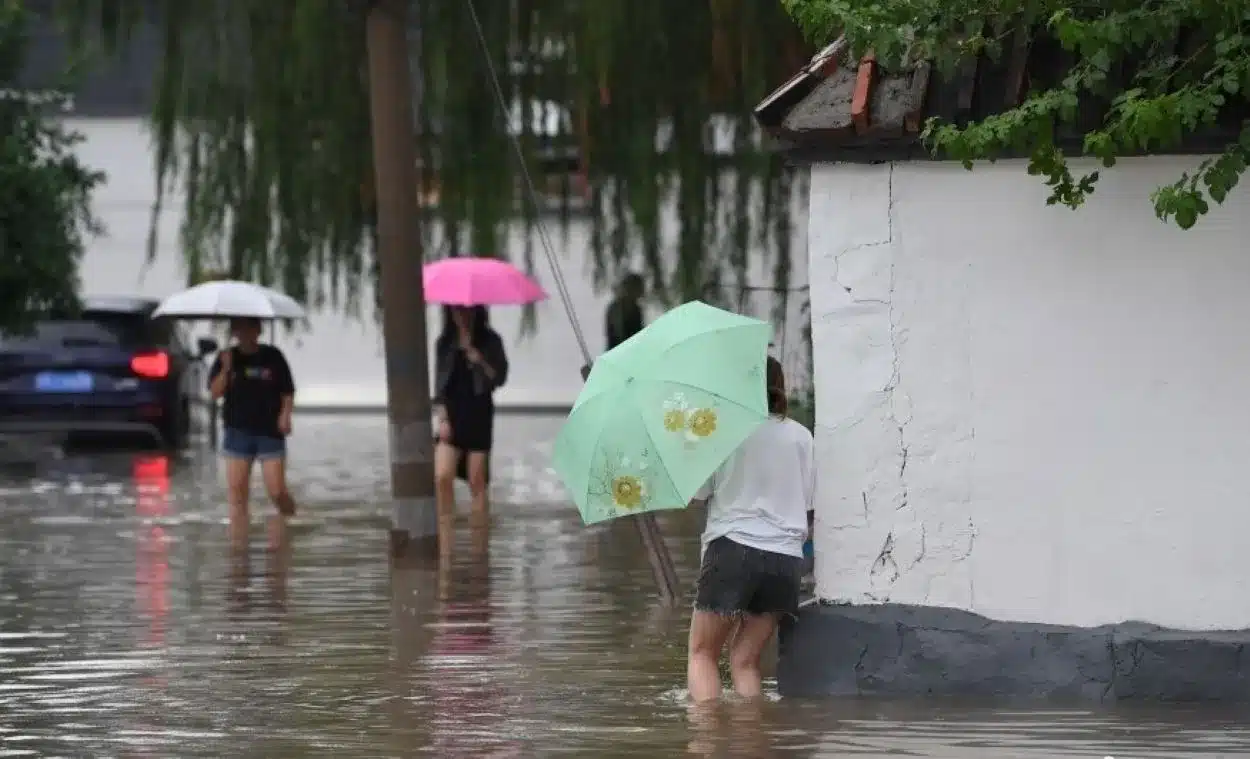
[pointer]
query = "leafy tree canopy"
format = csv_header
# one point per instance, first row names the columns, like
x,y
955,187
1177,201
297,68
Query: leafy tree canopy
x,y
45,194
1165,68
262,120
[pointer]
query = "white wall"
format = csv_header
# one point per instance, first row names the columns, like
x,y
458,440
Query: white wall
x,y
339,360
1029,412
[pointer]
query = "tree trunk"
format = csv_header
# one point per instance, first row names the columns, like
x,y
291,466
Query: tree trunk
x,y
414,524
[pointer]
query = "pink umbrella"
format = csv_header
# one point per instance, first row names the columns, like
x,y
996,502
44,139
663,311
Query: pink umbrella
x,y
474,281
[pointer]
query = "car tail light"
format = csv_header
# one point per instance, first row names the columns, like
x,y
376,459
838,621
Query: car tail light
x,y
150,365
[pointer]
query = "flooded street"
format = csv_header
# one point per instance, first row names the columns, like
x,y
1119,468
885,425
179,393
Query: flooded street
x,y
129,628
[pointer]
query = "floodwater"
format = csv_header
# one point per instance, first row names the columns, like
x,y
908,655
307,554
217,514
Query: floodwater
x,y
130,628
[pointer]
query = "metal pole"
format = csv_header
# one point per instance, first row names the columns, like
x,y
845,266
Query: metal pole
x,y
414,523
658,557
648,530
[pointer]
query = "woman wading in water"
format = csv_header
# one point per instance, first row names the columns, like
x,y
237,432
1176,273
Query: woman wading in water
x,y
470,364
255,383
757,507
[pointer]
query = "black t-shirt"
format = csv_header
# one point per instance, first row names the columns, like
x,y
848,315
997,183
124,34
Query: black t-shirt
x,y
623,321
253,399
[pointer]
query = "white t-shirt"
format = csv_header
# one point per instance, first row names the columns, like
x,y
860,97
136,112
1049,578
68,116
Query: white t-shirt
x,y
761,495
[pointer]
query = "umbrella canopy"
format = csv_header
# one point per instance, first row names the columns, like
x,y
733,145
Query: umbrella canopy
x,y
662,410
474,281
229,299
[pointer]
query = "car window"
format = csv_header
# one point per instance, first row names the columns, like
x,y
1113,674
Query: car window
x,y
162,333
127,330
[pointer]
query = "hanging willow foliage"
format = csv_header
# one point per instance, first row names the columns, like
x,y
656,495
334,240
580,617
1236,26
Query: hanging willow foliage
x,y
261,119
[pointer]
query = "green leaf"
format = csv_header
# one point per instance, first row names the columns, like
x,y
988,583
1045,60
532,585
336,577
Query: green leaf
x,y
261,123
45,194
1164,99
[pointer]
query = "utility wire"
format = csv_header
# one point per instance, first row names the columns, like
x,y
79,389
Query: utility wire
x,y
561,287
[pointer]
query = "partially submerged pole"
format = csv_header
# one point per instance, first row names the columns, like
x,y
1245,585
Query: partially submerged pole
x,y
414,521
658,557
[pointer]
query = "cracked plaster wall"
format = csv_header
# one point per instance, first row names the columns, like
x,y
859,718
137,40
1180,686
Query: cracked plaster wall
x,y
1028,412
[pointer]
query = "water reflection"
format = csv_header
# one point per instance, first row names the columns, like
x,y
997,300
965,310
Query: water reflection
x,y
131,626
151,483
732,728
249,591
150,479
471,707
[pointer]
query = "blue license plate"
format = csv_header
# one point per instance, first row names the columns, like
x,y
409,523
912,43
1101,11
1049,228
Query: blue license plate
x,y
63,382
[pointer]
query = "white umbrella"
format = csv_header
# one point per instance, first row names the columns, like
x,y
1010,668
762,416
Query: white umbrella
x,y
228,299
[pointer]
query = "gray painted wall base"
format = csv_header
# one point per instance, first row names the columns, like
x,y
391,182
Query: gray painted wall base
x,y
892,650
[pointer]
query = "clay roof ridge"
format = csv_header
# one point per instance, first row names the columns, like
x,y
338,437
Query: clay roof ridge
x,y
821,65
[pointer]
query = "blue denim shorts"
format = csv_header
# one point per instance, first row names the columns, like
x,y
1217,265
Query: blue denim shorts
x,y
241,444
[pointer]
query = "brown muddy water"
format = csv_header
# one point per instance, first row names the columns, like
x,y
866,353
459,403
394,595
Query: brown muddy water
x,y
129,628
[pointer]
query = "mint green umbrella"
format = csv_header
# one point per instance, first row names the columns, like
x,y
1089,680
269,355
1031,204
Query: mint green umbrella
x,y
662,410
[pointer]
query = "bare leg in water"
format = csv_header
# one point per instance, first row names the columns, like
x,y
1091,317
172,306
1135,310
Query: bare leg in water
x,y
446,457
274,472
238,484
279,560
478,487
708,633
746,650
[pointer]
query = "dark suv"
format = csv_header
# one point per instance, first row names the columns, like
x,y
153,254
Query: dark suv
x,y
110,369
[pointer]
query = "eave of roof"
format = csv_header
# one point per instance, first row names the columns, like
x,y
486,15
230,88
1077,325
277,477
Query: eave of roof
x,y
851,109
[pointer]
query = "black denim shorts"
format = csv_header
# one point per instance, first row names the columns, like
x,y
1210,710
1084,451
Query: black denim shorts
x,y
736,579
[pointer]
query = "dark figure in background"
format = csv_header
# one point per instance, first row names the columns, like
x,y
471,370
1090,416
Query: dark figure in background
x,y
624,316
470,364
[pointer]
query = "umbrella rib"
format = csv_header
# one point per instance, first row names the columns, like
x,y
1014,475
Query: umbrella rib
x,y
603,430
703,390
673,485
714,331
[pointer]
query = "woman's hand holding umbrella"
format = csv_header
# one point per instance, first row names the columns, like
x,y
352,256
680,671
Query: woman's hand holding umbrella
x,y
473,354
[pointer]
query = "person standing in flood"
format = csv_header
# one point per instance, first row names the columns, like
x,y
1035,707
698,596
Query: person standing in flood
x,y
255,383
623,318
469,365
758,503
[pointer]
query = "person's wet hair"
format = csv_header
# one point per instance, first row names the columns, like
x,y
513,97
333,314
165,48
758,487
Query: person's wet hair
x,y
633,285
247,322
481,322
775,378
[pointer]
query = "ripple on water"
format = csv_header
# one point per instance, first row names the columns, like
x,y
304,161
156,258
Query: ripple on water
x,y
129,627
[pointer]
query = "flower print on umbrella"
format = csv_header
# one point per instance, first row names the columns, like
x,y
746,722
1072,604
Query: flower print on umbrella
x,y
703,423
691,421
625,484
676,413
627,492
630,489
